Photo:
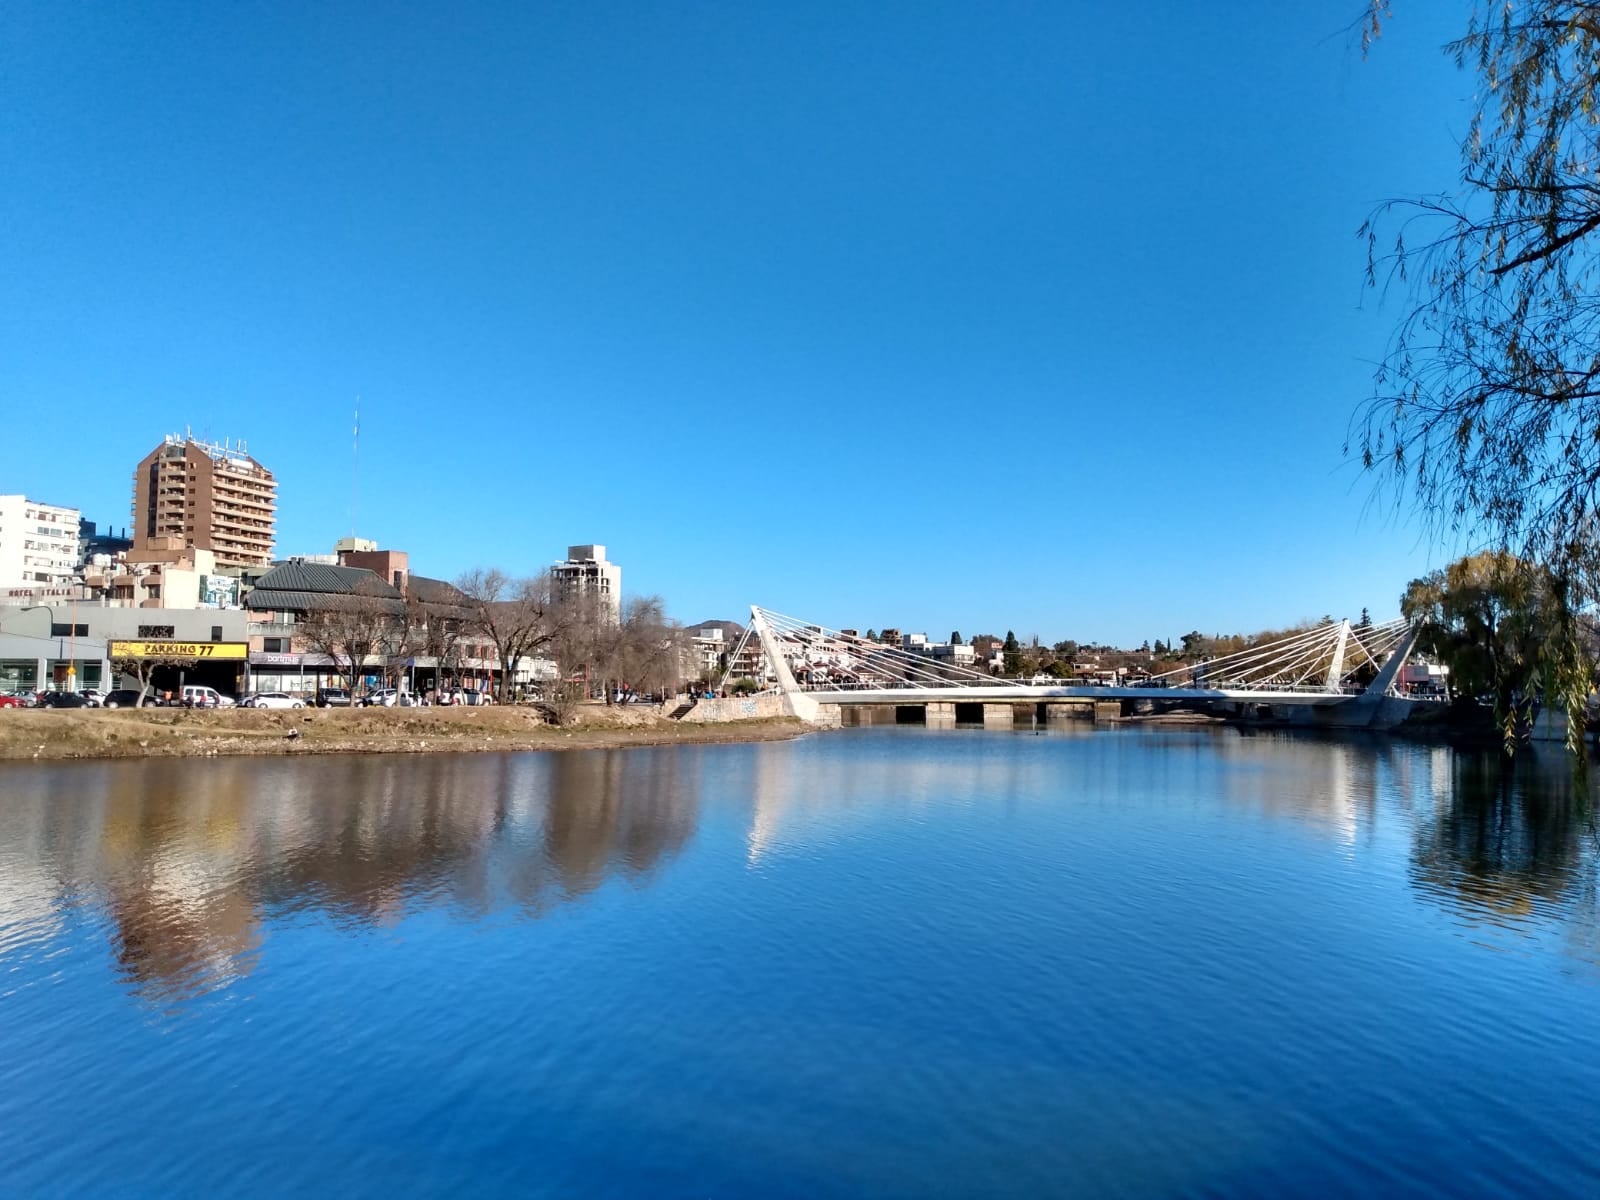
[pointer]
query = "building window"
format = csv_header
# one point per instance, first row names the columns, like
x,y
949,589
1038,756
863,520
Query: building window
x,y
64,630
155,631
216,633
275,645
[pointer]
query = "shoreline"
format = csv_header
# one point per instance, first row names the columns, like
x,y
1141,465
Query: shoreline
x,y
48,735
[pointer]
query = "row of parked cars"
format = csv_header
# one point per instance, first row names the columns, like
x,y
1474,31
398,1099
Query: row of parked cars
x,y
200,696
188,697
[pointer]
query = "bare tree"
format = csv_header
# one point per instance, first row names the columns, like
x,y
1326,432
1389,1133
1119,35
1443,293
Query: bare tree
x,y
644,649
144,669
442,626
352,630
519,616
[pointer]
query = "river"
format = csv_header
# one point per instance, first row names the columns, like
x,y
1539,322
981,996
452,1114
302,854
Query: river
x,y
875,963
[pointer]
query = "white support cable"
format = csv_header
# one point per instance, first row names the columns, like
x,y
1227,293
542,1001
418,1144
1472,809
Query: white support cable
x,y
1287,663
897,663
1226,665
1313,657
1265,649
734,657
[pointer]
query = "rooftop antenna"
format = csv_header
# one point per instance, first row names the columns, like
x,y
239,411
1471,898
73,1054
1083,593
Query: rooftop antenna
x,y
355,471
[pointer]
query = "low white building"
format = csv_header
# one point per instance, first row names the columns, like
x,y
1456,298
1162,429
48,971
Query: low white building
x,y
38,543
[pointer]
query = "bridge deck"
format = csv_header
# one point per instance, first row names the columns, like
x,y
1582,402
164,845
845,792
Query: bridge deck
x,y
1029,693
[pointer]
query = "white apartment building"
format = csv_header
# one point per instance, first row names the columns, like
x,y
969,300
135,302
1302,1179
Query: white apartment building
x,y
587,573
705,652
38,542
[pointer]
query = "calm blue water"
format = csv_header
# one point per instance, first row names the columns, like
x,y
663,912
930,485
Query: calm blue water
x,y
876,963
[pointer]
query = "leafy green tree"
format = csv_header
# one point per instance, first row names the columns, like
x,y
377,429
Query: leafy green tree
x,y
955,637
1366,620
1485,406
1485,616
1011,654
872,635
1067,649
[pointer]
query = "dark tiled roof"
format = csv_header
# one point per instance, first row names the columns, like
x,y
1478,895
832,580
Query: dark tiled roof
x,y
436,591
285,600
320,577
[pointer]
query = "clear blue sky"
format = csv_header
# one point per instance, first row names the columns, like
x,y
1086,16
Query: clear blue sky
x,y
1044,316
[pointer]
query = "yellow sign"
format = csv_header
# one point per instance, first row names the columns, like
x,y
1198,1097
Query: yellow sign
x,y
173,649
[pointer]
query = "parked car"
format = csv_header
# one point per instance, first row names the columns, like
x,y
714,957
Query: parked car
x,y
11,702
62,700
460,696
390,698
333,697
94,696
272,700
129,698
195,695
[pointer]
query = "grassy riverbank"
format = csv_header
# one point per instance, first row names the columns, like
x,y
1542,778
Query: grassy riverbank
x,y
40,734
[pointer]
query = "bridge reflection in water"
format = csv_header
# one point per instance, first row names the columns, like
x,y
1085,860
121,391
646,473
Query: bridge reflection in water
x,y
186,863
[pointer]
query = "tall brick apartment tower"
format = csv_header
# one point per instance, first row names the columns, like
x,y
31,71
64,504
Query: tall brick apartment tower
x,y
217,498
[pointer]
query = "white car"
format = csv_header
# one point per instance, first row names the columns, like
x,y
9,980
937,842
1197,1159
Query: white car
x,y
272,700
199,696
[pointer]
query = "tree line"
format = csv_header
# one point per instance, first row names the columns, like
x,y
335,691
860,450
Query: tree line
x,y
522,618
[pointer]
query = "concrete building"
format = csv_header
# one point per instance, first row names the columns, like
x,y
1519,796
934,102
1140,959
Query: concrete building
x,y
166,574
427,643
93,543
39,543
206,496
39,645
706,650
586,573
959,654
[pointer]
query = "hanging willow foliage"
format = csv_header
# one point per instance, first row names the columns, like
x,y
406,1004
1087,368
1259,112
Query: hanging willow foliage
x,y
1486,406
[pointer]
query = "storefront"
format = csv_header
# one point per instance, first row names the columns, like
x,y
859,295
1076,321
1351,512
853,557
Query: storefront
x,y
67,664
272,671
220,665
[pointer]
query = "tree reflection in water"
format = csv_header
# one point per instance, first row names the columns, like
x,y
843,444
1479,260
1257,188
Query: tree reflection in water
x,y
1513,845
189,862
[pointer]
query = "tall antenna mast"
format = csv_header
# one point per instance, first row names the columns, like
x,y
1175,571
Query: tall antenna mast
x,y
355,470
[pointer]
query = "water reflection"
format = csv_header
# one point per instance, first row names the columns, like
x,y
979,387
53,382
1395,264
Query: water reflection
x,y
1512,846
190,862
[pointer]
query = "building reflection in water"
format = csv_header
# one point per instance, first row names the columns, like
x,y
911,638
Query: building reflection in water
x,y
189,862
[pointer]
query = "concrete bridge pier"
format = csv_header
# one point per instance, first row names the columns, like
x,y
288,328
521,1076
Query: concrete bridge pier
x,y
997,716
1058,714
940,715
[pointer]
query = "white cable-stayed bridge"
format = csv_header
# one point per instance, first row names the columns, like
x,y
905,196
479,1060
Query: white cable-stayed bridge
x,y
1334,664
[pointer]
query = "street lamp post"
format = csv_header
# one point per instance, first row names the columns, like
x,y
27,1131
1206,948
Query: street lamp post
x,y
37,608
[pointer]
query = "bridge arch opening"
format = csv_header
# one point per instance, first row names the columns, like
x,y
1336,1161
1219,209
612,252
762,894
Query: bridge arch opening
x,y
910,714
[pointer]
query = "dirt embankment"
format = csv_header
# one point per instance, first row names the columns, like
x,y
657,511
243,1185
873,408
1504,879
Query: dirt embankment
x,y
170,732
